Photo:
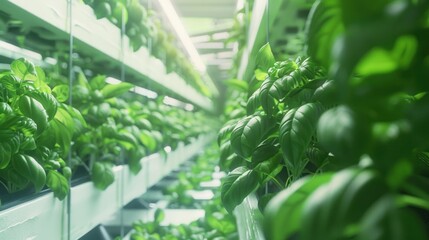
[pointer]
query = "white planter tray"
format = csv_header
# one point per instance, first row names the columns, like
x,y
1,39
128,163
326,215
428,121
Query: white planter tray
x,y
46,217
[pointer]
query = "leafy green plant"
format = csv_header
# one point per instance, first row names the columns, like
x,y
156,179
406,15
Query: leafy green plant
x,y
282,114
216,224
353,151
36,131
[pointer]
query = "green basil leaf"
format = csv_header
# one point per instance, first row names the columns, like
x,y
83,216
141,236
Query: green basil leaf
x,y
61,92
287,206
23,69
324,25
5,108
238,185
33,109
58,184
254,102
5,155
391,222
159,215
225,131
114,90
40,82
248,134
48,101
102,175
297,128
30,169
239,85
265,58
98,82
265,97
147,140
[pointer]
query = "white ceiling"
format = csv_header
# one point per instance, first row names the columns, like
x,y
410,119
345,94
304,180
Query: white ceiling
x,y
207,23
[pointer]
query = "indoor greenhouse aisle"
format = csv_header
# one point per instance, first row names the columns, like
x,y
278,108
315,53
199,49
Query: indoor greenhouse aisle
x,y
185,204
214,119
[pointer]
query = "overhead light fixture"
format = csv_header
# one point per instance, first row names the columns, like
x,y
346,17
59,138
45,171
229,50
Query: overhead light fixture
x,y
176,103
201,38
228,54
210,45
220,35
177,25
138,90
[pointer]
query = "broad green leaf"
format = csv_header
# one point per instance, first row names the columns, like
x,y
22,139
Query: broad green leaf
x,y
237,84
269,168
58,183
61,92
335,208
265,58
225,151
287,207
5,155
114,90
249,133
40,82
33,109
28,144
260,75
23,69
147,140
266,150
400,56
5,108
324,25
220,222
102,175
60,131
238,185
385,220
254,102
30,169
265,98
98,82
343,132
49,103
297,128
159,215
225,131
82,81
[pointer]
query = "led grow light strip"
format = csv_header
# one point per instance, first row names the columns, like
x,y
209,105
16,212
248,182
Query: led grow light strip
x,y
152,95
177,25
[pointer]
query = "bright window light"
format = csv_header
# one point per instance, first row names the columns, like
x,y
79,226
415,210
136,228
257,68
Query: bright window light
x,y
177,25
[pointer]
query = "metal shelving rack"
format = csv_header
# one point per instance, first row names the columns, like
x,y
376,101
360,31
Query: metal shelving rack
x,y
46,217
101,39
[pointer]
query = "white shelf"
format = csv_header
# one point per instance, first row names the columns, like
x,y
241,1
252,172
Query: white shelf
x,y
102,39
257,34
45,217
248,217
